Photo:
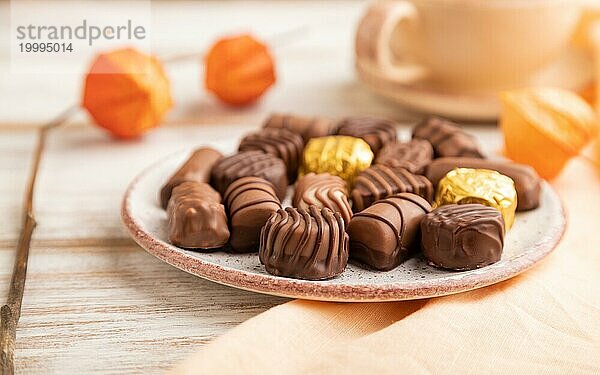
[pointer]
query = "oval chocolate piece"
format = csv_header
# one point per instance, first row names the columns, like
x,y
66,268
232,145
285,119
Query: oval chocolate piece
x,y
196,216
307,127
380,181
447,138
196,168
250,163
413,156
249,201
311,245
383,235
377,132
280,143
462,237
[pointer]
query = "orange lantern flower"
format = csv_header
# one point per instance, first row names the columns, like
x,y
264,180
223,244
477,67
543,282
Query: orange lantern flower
x,y
546,127
239,69
126,92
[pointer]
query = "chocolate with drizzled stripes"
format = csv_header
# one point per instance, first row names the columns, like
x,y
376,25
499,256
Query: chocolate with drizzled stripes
x,y
307,127
281,143
447,138
311,245
376,131
383,235
462,236
413,156
323,190
380,181
250,163
249,201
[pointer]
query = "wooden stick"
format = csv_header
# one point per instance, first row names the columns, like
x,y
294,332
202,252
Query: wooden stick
x,y
11,312
276,41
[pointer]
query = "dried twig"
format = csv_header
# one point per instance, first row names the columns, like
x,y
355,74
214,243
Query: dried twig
x,y
11,312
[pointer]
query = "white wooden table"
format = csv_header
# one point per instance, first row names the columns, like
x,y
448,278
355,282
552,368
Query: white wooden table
x,y
94,300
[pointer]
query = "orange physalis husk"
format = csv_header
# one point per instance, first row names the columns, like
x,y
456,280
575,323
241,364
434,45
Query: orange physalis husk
x,y
239,69
126,92
545,127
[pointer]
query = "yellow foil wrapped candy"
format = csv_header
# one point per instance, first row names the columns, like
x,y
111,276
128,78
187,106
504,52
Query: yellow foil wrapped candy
x,y
490,188
337,155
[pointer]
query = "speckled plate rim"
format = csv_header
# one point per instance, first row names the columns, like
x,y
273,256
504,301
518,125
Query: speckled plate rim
x,y
360,292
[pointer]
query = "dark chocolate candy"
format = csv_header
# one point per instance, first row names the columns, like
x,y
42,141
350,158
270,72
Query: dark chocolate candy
x,y
249,201
380,181
412,156
306,127
302,244
447,138
197,219
250,163
383,235
196,168
323,190
377,132
462,237
281,143
527,181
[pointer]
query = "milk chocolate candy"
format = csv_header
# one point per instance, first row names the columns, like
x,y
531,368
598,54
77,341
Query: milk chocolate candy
x,y
196,168
380,181
383,235
323,190
250,163
307,127
311,245
281,143
462,237
412,156
447,138
249,201
377,132
197,218
527,181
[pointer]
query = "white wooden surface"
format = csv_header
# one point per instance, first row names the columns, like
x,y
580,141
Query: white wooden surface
x,y
94,301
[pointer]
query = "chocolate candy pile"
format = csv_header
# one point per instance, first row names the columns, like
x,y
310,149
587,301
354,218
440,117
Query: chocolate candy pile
x,y
360,194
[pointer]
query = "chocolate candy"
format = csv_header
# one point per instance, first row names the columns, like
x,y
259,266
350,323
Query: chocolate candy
x,y
383,235
197,218
412,156
250,163
323,190
490,188
447,138
304,126
196,168
462,237
250,201
281,143
302,244
337,155
527,181
380,181
377,132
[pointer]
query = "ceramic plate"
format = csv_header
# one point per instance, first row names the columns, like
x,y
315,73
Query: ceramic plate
x,y
533,236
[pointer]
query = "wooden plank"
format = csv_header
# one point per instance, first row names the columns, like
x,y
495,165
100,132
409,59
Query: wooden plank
x,y
118,309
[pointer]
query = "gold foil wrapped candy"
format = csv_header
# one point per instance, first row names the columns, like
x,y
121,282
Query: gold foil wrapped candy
x,y
342,156
490,188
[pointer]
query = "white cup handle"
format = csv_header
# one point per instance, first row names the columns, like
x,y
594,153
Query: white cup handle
x,y
374,35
